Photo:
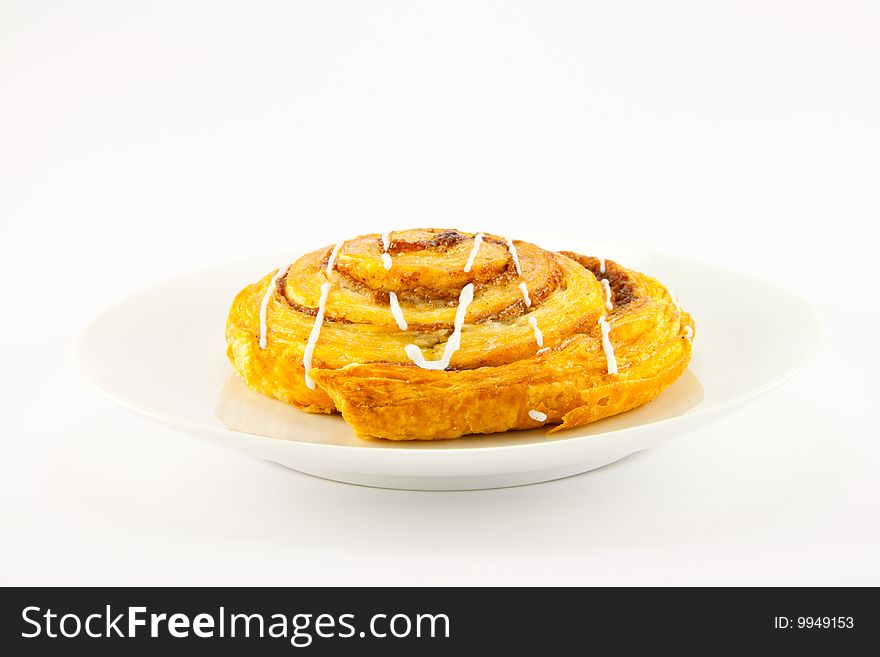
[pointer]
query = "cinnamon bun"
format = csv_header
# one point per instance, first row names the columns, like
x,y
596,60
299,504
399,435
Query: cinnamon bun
x,y
432,333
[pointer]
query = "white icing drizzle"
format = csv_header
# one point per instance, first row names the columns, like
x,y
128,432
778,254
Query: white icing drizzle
x,y
538,416
331,261
607,286
525,292
396,311
607,347
542,351
524,289
313,336
689,332
454,342
264,304
539,338
512,248
601,265
386,244
478,239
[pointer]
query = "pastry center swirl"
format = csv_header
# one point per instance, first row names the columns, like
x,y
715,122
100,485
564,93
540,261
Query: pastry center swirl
x,y
550,296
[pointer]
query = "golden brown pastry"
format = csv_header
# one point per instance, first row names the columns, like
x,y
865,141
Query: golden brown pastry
x,y
431,333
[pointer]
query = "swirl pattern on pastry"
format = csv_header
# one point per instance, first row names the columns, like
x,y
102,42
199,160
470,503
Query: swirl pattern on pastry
x,y
464,334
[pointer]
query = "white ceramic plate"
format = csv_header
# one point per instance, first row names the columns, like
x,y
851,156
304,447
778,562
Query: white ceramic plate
x,y
161,353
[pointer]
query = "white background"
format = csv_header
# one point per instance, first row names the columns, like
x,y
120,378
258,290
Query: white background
x,y
141,140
